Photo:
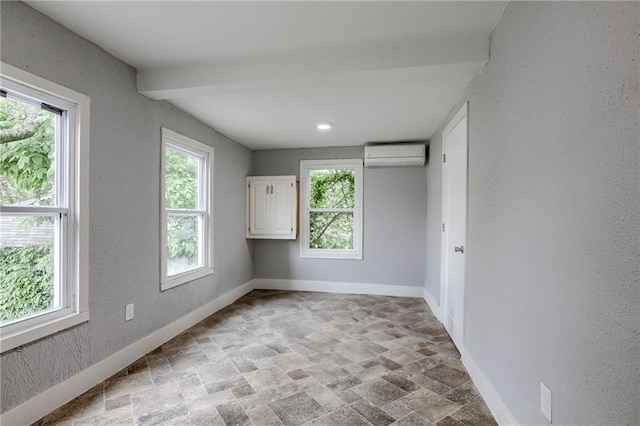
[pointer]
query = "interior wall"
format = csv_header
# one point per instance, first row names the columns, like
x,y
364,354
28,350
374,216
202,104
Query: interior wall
x,y
433,216
124,206
553,256
394,202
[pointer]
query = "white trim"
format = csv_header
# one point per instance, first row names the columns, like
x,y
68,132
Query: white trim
x,y
458,333
185,277
40,330
337,287
44,403
435,308
305,167
81,219
78,107
498,408
191,147
11,73
185,142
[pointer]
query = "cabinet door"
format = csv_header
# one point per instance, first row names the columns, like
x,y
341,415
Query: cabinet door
x,y
282,192
259,211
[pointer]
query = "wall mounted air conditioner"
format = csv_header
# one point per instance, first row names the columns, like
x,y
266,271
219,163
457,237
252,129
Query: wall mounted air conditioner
x,y
394,155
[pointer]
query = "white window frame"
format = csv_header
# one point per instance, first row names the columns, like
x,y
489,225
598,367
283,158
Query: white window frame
x,y
72,212
306,166
205,208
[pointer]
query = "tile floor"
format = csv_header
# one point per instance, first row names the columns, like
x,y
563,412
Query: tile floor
x,y
274,358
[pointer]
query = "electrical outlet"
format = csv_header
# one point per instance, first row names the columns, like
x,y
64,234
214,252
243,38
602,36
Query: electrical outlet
x,y
128,312
545,401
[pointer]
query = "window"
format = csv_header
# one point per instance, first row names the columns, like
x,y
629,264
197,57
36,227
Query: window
x,y
44,181
331,209
187,225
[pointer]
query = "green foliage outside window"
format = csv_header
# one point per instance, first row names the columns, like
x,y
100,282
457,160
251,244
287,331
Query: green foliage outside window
x,y
27,151
181,192
26,280
26,172
181,180
331,190
182,243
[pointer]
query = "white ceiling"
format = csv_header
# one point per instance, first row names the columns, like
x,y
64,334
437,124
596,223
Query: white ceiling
x,y
264,73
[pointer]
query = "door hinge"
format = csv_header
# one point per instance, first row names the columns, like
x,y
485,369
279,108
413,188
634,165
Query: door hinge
x,y
443,227
444,158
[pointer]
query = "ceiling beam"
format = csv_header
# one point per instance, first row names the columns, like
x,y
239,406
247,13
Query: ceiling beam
x,y
300,70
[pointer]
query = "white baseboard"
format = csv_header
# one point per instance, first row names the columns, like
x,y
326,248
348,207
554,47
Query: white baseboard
x,y
435,307
337,287
44,403
497,406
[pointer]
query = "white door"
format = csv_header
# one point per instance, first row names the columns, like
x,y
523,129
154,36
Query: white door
x,y
454,214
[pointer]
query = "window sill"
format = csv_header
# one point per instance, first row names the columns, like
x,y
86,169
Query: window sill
x,y
185,278
28,335
326,254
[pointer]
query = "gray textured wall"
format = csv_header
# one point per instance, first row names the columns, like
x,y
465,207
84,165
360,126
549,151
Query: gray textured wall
x,y
553,290
124,199
394,204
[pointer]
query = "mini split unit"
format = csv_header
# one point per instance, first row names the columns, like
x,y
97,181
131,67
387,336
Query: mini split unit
x,y
394,155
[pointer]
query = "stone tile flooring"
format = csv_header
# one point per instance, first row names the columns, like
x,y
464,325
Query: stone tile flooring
x,y
290,358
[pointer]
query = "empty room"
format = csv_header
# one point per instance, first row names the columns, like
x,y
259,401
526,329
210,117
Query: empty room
x,y
319,213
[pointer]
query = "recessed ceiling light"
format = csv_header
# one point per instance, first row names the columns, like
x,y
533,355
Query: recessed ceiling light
x,y
323,126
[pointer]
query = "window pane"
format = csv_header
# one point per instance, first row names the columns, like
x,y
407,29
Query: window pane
x,y
183,248
331,231
27,266
27,150
332,188
181,180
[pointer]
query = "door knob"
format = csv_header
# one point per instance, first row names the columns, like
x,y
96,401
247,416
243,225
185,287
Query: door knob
x,y
459,249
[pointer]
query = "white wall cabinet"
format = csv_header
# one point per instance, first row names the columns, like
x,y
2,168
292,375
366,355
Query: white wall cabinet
x,y
272,207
